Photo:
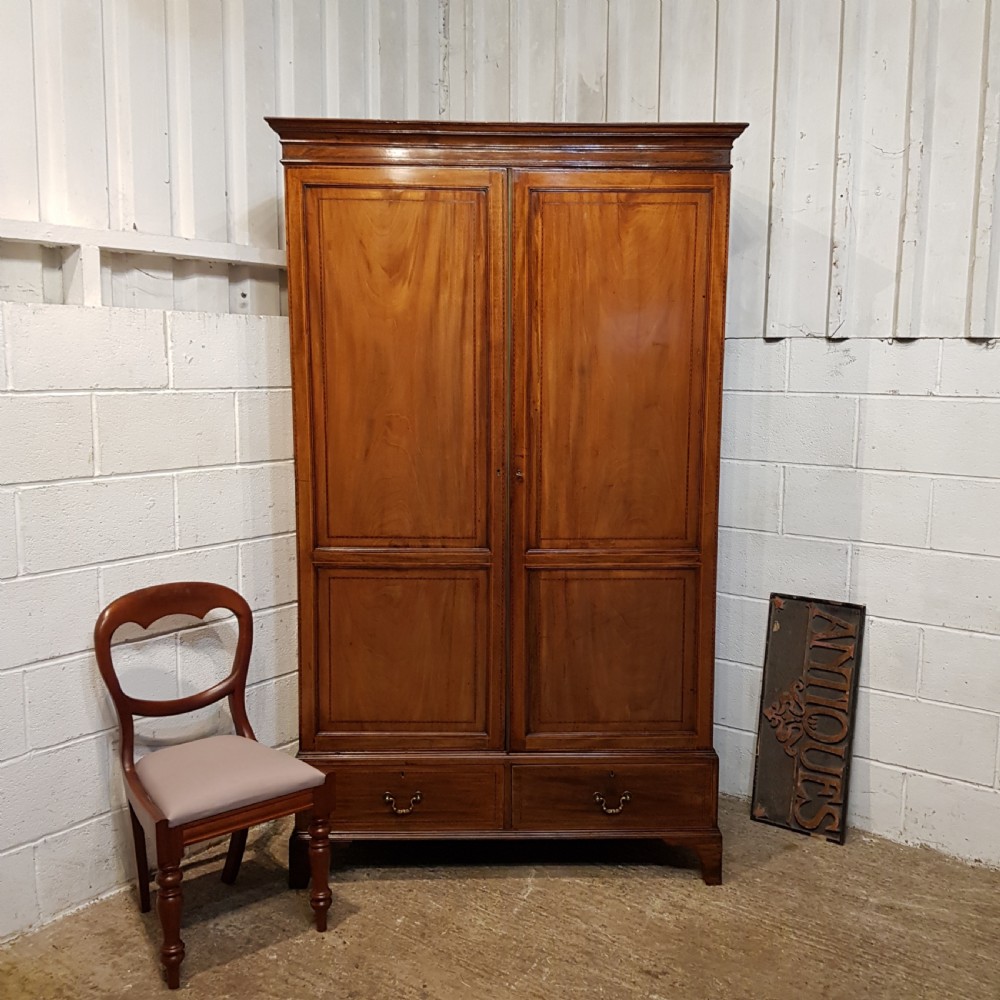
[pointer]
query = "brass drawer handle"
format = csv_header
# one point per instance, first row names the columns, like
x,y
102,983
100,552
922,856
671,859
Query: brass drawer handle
x,y
612,810
415,800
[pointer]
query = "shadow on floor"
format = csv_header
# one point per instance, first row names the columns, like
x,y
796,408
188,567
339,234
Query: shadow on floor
x,y
382,860
223,923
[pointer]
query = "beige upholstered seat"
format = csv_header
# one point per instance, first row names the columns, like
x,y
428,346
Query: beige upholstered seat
x,y
219,773
194,791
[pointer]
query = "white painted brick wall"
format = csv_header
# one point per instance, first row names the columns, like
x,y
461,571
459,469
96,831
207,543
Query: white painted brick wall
x,y
76,779
890,474
79,864
799,515
83,348
13,741
768,427
108,419
875,799
226,504
735,748
958,818
737,699
740,628
812,502
273,709
142,431
749,495
851,472
45,437
275,644
220,564
949,436
846,503
756,563
211,350
106,520
863,366
65,700
267,571
927,736
936,588
46,616
891,656
756,366
147,668
970,369
8,535
966,516
264,419
961,668
3,344
205,655
17,876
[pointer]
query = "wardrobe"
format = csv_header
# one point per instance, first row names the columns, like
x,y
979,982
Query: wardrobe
x,y
506,366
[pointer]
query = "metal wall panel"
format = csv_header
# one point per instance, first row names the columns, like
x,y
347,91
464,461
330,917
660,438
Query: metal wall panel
x,y
864,193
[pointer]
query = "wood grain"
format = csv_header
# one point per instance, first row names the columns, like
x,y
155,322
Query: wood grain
x,y
399,382
616,287
574,467
656,797
403,364
453,798
612,660
403,653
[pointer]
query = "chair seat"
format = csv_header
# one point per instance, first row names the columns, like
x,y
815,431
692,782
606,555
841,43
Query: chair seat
x,y
213,775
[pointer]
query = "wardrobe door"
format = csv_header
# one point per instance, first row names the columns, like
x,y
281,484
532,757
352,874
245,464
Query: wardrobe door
x,y
617,322
400,392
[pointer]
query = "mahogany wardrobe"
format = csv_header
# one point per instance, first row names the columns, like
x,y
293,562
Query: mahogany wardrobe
x,y
506,366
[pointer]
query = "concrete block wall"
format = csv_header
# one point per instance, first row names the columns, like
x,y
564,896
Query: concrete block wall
x,y
860,471
136,447
869,471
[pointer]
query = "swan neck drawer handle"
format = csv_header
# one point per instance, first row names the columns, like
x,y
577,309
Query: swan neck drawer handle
x,y
390,801
612,810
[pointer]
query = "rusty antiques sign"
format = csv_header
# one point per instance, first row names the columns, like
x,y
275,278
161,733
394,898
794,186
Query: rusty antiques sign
x,y
807,715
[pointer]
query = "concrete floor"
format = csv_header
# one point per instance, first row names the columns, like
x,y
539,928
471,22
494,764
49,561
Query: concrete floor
x,y
796,918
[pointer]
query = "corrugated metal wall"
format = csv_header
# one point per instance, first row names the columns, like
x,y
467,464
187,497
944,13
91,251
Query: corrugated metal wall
x,y
864,191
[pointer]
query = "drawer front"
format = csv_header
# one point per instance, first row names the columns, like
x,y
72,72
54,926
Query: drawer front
x,y
611,798
398,800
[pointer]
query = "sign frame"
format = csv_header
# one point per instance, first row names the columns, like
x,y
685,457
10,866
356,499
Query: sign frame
x,y
805,725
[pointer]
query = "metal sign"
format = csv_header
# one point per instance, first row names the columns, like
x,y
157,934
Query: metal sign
x,y
807,715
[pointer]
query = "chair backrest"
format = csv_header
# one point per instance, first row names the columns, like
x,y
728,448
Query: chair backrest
x,y
143,607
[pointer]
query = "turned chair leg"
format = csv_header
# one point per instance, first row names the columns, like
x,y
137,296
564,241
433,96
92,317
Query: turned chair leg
x,y
141,863
234,856
168,907
319,861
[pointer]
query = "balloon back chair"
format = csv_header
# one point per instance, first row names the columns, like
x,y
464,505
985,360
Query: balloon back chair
x,y
216,785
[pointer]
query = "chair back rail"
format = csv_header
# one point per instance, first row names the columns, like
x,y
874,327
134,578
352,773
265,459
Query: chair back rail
x,y
143,608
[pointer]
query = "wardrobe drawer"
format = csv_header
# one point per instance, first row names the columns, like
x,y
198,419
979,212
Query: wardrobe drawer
x,y
397,800
611,798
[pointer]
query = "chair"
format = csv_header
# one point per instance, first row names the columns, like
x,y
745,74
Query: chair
x,y
208,787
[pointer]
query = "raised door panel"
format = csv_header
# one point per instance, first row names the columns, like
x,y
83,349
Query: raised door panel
x,y
616,303
400,373
611,657
615,307
402,376
403,653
